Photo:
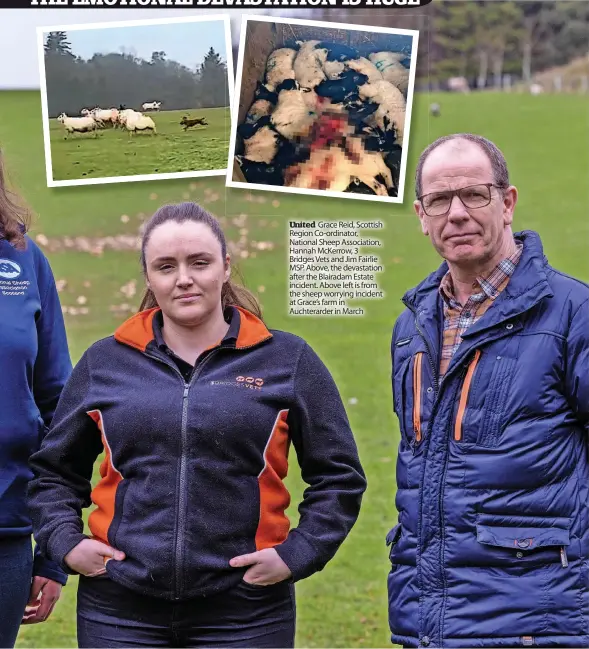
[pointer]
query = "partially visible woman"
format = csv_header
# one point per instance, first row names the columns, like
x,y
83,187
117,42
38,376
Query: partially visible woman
x,y
34,366
196,403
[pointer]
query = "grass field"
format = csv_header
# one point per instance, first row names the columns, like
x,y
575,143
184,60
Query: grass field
x,y
345,605
115,152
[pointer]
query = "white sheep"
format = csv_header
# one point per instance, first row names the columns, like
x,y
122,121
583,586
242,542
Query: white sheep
x,y
105,115
392,70
332,69
139,122
391,106
262,146
279,66
260,108
294,115
84,124
307,65
364,66
124,114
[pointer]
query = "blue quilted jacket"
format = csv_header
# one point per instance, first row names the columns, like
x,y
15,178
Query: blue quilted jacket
x,y
491,548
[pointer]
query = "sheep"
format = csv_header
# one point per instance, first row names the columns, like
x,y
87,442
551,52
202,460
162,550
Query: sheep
x,y
536,89
262,146
458,84
84,112
307,65
139,122
101,116
124,114
78,124
338,90
338,51
280,66
332,69
364,66
293,116
153,105
391,109
392,70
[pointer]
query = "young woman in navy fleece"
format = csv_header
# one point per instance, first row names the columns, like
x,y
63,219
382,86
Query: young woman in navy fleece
x,y
195,403
34,366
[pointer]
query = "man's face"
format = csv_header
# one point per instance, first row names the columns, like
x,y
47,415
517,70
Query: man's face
x,y
465,235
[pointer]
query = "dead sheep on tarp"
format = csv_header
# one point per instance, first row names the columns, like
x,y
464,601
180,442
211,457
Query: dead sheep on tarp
x,y
326,117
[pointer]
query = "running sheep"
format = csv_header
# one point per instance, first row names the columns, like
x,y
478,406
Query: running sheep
x,y
84,124
139,122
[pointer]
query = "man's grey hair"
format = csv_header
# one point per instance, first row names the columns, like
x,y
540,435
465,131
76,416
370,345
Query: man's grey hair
x,y
496,158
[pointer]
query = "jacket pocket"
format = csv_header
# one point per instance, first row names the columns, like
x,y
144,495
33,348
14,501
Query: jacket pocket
x,y
392,538
526,544
496,394
118,512
409,399
464,393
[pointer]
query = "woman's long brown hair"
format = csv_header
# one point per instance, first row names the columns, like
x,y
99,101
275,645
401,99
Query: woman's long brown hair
x,y
14,216
231,293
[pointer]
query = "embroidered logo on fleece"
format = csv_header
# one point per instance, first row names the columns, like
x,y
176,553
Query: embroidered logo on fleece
x,y
249,382
9,269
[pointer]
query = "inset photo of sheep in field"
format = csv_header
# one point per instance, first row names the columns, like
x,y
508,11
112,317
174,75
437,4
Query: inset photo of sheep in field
x,y
322,108
136,100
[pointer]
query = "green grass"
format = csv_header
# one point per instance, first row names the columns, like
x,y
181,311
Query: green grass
x,y
111,152
544,139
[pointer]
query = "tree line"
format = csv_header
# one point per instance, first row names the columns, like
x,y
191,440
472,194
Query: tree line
x,y
483,40
109,80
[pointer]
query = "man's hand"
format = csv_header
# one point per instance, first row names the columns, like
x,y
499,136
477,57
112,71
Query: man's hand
x,y
44,594
267,567
88,557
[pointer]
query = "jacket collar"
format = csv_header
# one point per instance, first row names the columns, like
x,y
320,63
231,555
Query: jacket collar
x,y
245,329
526,287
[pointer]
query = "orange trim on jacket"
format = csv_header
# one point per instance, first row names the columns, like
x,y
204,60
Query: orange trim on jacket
x,y
137,331
417,396
274,525
464,396
103,494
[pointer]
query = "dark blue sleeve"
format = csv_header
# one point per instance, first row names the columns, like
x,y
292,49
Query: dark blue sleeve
x,y
328,457
52,369
53,365
577,365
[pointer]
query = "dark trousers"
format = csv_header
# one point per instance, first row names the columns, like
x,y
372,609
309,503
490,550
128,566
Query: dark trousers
x,y
16,571
110,615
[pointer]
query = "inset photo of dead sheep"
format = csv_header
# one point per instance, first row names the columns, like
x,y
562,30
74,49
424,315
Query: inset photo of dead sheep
x,y
136,100
322,108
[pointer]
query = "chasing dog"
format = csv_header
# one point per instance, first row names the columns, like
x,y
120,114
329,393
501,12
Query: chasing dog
x,y
188,123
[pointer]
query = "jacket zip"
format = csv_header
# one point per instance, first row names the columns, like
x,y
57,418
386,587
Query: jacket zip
x,y
464,396
181,518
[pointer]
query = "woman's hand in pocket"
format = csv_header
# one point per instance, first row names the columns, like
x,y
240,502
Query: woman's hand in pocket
x,y
266,567
89,557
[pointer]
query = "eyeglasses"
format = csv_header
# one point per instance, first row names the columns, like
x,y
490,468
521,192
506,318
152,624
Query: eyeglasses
x,y
473,197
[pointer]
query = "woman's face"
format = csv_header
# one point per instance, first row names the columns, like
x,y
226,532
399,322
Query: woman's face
x,y
186,270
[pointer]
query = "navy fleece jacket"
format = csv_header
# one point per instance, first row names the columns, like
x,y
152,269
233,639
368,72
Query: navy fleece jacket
x,y
193,471
35,364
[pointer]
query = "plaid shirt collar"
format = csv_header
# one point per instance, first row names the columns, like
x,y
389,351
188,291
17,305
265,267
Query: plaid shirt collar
x,y
489,284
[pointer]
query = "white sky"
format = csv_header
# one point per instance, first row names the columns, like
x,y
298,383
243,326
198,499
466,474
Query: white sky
x,y
18,34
